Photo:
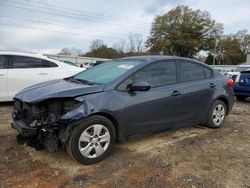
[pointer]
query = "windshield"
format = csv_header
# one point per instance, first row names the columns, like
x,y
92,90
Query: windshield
x,y
107,72
239,69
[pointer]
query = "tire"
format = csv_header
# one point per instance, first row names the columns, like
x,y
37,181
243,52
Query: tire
x,y
217,114
92,140
241,98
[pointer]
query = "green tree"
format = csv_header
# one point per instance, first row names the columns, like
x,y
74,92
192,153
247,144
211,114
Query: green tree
x,y
183,32
103,52
210,60
243,39
234,52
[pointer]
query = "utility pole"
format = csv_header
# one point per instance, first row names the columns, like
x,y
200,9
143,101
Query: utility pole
x,y
216,44
248,54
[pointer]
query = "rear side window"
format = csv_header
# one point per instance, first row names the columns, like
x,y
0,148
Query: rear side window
x,y
246,74
49,64
2,61
191,71
158,74
208,72
21,62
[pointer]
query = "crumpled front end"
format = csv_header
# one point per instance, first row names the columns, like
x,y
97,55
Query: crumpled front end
x,y
45,125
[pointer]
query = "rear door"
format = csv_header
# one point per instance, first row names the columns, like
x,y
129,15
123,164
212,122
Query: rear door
x,y
198,87
3,78
26,71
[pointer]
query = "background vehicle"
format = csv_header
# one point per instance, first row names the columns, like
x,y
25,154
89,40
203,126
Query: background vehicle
x,y
242,85
69,63
223,72
19,70
233,74
88,65
118,100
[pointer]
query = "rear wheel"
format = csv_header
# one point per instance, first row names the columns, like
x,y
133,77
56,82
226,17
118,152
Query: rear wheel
x,y
92,140
241,98
217,114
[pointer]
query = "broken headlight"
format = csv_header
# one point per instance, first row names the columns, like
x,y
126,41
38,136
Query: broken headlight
x,y
70,105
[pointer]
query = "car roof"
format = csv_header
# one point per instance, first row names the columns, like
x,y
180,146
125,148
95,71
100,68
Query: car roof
x,y
152,58
27,54
21,53
158,58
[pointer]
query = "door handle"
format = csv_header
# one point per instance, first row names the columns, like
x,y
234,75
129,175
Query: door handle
x,y
2,74
175,93
43,73
212,85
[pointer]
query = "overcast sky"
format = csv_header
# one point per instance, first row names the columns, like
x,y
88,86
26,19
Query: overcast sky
x,y
49,25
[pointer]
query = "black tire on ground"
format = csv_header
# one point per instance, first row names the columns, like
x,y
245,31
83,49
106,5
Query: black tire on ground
x,y
241,98
210,123
72,145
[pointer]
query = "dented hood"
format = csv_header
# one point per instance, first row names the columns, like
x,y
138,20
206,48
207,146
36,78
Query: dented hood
x,y
56,89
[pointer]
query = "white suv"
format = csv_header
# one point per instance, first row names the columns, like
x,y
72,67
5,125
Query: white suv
x,y
233,74
19,70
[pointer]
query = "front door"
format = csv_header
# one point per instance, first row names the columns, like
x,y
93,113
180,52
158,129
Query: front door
x,y
157,108
3,78
26,71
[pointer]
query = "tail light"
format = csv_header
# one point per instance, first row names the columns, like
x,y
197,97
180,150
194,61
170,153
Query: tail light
x,y
230,82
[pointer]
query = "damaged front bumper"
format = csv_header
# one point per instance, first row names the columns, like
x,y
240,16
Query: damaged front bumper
x,y
48,124
45,126
23,129
39,137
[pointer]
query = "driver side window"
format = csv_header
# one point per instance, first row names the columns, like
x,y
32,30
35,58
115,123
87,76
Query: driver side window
x,y
156,74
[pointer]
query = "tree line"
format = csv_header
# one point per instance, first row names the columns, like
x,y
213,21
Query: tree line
x,y
134,45
181,31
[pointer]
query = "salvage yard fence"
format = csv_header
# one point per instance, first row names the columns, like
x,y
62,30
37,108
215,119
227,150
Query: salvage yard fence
x,y
81,60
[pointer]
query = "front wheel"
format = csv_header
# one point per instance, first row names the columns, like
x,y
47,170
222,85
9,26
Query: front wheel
x,y
217,114
92,140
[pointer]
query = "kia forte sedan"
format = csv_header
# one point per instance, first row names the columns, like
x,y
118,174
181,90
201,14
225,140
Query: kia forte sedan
x,y
124,98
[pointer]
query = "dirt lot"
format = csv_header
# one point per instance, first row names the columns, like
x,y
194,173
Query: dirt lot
x,y
189,157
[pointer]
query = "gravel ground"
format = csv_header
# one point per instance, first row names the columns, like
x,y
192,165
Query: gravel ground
x,y
189,157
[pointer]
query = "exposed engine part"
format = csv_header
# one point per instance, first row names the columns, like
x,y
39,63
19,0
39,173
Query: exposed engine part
x,y
43,113
39,124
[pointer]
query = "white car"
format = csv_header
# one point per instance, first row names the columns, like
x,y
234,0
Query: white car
x,y
19,70
88,65
233,74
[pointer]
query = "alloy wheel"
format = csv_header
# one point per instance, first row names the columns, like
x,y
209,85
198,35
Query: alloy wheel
x,y
218,114
94,141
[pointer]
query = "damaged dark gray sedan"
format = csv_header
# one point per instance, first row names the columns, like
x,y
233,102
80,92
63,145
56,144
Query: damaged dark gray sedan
x,y
87,113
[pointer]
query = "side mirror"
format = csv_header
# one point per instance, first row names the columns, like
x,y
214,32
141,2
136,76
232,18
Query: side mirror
x,y
139,86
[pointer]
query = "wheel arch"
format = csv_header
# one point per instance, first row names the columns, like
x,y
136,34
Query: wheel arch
x,y
118,135
225,100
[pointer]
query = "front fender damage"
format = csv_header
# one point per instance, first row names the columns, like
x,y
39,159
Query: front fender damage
x,y
73,118
84,110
